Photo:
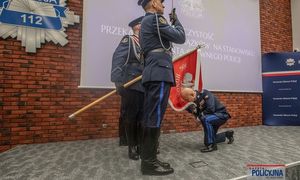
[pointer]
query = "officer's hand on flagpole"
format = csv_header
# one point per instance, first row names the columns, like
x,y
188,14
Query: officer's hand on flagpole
x,y
192,109
173,16
120,89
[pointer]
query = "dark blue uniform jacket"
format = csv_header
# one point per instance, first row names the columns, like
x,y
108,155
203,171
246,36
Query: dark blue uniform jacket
x,y
126,63
211,106
158,65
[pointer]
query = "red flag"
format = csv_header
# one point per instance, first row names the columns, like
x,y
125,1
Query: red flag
x,y
187,71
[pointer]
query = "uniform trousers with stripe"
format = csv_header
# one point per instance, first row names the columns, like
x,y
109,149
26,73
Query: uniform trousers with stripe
x,y
155,103
211,124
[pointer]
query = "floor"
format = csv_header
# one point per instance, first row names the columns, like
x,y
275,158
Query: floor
x,y
103,159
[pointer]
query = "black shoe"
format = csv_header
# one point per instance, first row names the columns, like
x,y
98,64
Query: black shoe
x,y
209,148
154,168
163,164
229,136
132,153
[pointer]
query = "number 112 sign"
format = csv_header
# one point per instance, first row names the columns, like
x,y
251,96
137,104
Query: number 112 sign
x,y
34,21
30,20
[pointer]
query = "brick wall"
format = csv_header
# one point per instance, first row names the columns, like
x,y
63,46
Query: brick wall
x,y
39,91
276,26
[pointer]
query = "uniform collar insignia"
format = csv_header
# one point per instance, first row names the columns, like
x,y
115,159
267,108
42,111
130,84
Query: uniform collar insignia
x,y
125,40
162,20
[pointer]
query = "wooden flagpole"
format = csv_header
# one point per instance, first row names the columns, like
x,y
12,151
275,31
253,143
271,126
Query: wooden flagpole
x,y
72,116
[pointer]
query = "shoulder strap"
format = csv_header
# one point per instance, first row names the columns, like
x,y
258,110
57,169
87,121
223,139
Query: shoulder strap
x,y
129,42
159,36
135,42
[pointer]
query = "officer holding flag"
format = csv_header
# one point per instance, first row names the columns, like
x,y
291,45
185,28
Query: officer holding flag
x,y
155,38
127,65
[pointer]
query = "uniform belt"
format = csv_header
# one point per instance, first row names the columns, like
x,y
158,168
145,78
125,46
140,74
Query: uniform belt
x,y
135,64
161,50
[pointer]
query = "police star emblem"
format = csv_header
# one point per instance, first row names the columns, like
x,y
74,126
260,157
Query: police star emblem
x,y
33,22
290,62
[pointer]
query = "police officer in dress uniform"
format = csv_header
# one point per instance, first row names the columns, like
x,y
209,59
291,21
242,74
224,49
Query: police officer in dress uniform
x,y
158,77
212,114
127,65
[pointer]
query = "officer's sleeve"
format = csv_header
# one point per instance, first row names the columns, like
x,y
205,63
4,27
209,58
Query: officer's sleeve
x,y
174,34
209,104
119,59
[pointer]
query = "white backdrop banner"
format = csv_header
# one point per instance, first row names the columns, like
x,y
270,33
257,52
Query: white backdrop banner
x,y
230,29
